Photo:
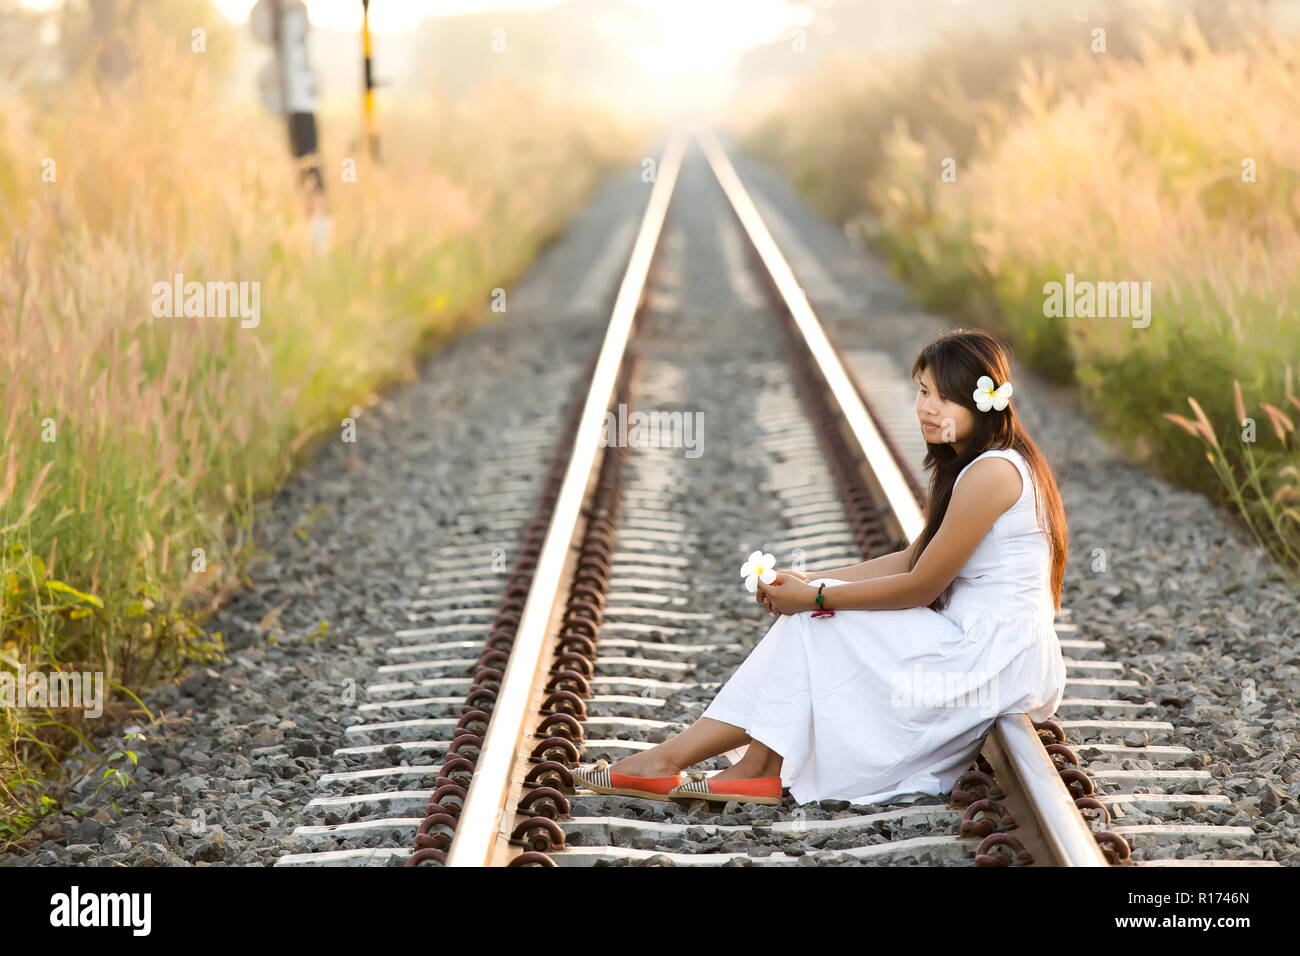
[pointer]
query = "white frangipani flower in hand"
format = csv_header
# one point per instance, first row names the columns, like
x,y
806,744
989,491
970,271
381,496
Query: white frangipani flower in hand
x,y
986,396
759,567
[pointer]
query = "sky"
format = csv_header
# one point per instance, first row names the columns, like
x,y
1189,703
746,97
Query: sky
x,y
386,16
694,35
687,54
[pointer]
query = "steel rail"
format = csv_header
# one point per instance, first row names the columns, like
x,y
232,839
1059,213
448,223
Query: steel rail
x,y
479,832
889,476
1063,827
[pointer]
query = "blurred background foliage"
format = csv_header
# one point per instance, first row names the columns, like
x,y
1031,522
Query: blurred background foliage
x,y
1171,156
137,450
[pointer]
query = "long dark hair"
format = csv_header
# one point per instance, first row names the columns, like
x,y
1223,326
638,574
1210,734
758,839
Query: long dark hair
x,y
956,360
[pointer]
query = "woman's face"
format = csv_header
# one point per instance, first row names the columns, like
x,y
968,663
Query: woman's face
x,y
941,421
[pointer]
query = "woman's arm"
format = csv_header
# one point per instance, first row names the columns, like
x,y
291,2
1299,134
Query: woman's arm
x,y
990,487
880,567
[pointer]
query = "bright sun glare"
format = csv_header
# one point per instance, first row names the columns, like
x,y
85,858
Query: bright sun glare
x,y
697,37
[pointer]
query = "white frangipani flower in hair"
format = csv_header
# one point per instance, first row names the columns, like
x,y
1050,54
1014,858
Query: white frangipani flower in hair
x,y
759,567
986,396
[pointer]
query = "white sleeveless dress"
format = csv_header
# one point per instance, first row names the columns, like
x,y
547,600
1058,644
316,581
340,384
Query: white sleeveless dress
x,y
876,706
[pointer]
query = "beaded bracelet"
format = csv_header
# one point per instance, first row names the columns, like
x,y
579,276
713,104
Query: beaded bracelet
x,y
820,612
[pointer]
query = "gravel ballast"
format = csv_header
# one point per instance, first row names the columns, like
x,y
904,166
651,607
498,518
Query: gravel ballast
x,y
1185,600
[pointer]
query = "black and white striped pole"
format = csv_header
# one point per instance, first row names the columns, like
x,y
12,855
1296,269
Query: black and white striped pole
x,y
288,87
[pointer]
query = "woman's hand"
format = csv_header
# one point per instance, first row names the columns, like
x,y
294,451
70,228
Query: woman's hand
x,y
762,598
788,593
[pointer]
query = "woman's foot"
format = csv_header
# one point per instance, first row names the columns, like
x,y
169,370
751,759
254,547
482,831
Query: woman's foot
x,y
747,769
717,789
645,764
601,778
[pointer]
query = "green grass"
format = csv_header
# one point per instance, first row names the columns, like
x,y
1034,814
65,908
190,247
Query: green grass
x,y
136,449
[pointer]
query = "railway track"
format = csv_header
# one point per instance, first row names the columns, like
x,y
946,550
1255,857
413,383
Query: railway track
x,y
596,645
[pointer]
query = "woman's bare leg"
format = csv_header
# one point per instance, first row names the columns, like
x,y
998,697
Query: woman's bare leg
x,y
703,739
759,761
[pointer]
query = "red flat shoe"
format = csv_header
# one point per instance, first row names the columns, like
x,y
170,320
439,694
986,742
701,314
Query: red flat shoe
x,y
764,790
600,779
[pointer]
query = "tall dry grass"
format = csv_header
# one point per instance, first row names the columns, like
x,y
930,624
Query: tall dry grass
x,y
135,447
1111,168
